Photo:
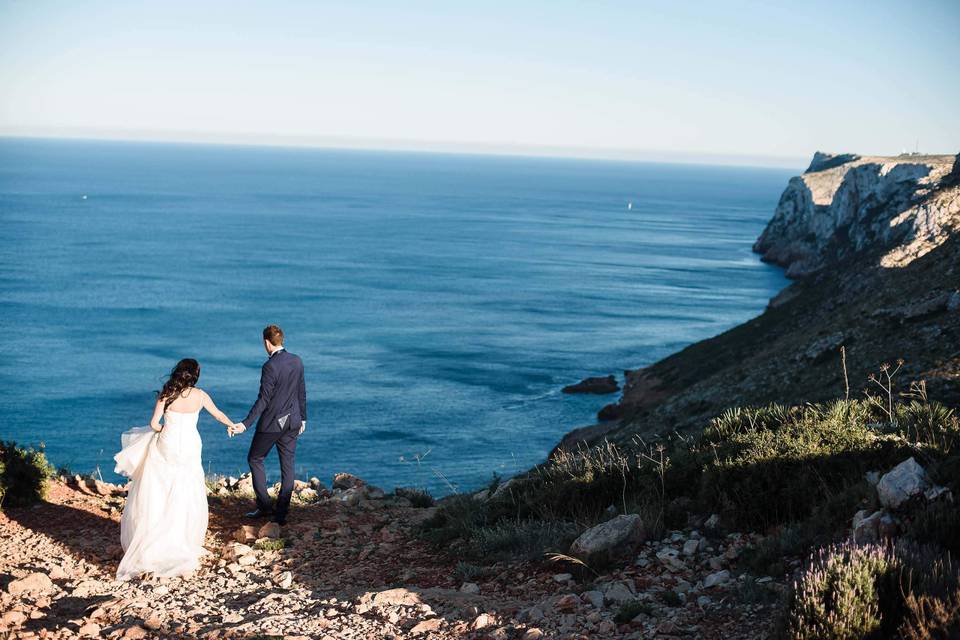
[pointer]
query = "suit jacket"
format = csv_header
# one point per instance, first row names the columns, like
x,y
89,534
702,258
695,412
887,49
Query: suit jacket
x,y
282,402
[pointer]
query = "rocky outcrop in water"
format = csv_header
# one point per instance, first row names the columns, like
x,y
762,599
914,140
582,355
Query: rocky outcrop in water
x,y
599,385
847,204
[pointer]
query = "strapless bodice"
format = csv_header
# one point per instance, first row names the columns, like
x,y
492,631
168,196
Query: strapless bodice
x,y
179,442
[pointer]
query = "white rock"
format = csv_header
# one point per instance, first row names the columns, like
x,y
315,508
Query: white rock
x,y
284,580
715,579
865,526
690,547
937,492
900,484
235,550
607,537
617,592
469,587
594,597
562,577
670,557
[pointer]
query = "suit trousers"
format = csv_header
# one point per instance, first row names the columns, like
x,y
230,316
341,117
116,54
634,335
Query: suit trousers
x,y
286,443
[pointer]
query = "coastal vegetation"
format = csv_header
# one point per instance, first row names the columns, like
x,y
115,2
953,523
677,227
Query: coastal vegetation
x,y
24,473
793,475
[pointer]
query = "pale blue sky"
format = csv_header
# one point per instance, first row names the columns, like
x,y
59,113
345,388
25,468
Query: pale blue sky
x,y
672,79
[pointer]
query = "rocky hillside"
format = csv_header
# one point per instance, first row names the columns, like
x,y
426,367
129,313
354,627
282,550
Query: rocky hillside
x,y
845,205
874,245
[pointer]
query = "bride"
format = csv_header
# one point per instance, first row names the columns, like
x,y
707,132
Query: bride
x,y
165,518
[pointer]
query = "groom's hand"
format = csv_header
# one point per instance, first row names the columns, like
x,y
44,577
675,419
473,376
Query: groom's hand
x,y
237,427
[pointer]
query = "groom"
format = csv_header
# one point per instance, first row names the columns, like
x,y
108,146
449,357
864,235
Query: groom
x,y
281,415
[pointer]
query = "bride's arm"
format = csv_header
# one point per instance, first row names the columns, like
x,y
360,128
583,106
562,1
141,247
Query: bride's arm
x,y
157,414
218,415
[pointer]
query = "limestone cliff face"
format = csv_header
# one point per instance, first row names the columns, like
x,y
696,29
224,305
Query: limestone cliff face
x,y
902,206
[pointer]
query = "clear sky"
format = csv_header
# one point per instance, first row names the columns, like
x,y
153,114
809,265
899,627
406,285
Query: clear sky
x,y
646,79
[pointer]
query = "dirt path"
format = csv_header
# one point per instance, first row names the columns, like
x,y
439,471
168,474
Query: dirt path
x,y
345,572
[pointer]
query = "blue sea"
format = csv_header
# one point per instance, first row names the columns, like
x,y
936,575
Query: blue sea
x,y
439,302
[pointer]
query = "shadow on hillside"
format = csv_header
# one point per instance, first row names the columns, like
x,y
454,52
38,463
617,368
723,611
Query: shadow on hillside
x,y
85,534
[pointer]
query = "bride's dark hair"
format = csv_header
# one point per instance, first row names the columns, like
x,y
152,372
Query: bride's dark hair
x,y
182,377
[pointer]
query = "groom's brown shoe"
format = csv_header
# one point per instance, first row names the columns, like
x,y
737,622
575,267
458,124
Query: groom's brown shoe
x,y
257,513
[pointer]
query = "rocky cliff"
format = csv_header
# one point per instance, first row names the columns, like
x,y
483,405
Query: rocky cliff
x,y
874,245
846,204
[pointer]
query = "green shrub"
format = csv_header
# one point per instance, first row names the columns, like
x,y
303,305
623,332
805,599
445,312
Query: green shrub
x,y
768,473
457,518
528,539
418,497
872,591
937,524
24,474
797,469
826,524
466,572
270,544
929,423
838,595
932,618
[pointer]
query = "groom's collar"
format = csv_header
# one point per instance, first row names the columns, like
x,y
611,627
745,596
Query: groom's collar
x,y
276,351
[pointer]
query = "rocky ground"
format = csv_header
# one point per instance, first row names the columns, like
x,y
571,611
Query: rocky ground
x,y
350,565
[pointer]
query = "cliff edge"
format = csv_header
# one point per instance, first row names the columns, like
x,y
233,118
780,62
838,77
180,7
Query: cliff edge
x,y
874,246
845,204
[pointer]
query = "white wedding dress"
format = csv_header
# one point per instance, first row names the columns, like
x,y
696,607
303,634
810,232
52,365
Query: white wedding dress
x,y
165,518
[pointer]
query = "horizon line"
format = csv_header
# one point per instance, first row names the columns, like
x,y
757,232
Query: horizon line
x,y
349,143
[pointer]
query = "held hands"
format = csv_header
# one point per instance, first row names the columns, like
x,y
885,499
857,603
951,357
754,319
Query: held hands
x,y
236,428
303,427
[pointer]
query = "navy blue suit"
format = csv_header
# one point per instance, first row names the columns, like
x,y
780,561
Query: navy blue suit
x,y
280,409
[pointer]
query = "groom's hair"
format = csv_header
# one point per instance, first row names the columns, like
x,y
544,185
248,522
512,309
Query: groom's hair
x,y
273,334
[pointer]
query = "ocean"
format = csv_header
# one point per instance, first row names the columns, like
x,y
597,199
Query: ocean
x,y
439,302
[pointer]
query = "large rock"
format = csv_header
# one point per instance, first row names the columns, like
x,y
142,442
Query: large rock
x,y
392,597
235,551
905,481
308,495
716,579
866,526
244,484
608,539
599,385
35,583
246,533
347,481
618,592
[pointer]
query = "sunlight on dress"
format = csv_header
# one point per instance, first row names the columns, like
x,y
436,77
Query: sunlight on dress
x,y
165,518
